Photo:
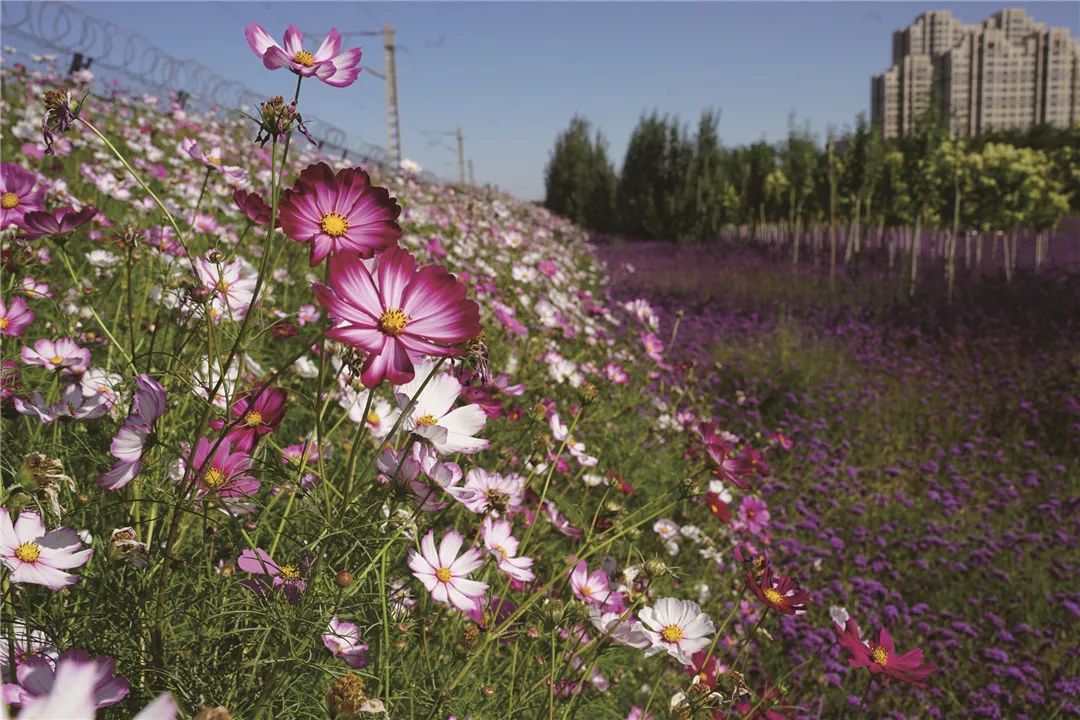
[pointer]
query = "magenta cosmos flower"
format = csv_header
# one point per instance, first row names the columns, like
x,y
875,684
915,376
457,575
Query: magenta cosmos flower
x,y
726,464
778,592
18,195
339,212
130,440
15,318
327,63
56,354
259,413
61,221
396,313
880,657
225,473
444,574
38,557
343,641
37,678
289,578
254,207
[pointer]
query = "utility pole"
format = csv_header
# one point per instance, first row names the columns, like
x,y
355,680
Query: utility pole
x,y
393,117
460,157
472,180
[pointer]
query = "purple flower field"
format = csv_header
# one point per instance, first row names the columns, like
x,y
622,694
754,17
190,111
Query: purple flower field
x,y
932,480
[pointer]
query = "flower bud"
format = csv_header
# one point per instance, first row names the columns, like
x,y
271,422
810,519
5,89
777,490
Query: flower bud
x,y
343,578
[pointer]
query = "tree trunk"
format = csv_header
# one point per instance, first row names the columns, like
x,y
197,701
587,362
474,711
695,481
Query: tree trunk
x,y
916,246
950,267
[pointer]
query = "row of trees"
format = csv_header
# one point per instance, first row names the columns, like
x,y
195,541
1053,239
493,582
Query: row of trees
x,y
678,185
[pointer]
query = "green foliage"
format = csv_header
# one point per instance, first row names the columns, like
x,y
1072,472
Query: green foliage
x,y
674,186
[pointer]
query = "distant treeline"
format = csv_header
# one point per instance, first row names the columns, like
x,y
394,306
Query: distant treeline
x,y
679,185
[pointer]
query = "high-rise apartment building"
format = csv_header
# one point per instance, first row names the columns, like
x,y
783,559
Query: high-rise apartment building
x,y
1008,71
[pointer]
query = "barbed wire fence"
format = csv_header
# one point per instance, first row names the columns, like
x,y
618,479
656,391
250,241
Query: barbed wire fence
x,y
57,27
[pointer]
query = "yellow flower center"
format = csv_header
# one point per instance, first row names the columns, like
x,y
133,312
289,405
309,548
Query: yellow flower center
x,y
393,321
671,633
9,200
334,224
56,360
214,478
253,418
501,550
223,286
443,575
304,58
289,572
427,420
586,591
4,323
773,597
28,552
373,418
880,655
213,160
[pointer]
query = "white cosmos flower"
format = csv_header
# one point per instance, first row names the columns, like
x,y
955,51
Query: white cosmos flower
x,y
433,416
677,627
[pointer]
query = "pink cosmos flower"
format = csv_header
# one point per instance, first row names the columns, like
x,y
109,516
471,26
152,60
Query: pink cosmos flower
x,y
130,440
15,318
211,159
226,473
61,221
289,578
339,212
18,194
500,542
32,288
880,657
595,588
73,404
38,557
36,678
75,690
753,516
396,313
616,374
56,354
485,492
619,626
254,207
261,411
560,522
444,574
654,347
343,641
561,433
231,286
328,63
28,643
677,627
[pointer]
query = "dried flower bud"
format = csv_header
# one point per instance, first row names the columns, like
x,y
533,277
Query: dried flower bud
x,y
488,690
588,392
125,548
343,578
470,635
346,698
215,713
654,568
61,109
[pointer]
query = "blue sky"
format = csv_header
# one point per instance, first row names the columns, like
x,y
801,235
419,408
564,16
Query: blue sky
x,y
512,74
